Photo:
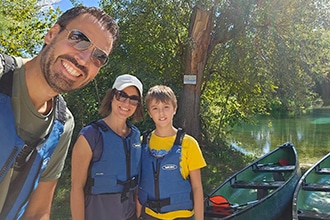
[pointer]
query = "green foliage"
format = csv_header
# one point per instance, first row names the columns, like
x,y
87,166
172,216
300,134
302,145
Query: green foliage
x,y
23,25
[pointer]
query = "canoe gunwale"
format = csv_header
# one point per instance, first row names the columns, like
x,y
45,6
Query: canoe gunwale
x,y
265,168
257,184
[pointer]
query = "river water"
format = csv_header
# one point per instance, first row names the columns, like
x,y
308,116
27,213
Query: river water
x,y
309,134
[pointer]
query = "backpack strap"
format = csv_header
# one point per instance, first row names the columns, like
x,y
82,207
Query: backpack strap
x,y
6,77
178,139
146,136
179,136
60,109
8,63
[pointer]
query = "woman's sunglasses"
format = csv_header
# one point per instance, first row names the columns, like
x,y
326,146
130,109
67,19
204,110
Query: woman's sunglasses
x,y
79,41
122,96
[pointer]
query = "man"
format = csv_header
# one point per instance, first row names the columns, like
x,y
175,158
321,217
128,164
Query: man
x,y
75,49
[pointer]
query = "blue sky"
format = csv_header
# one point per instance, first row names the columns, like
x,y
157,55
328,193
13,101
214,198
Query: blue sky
x,y
66,4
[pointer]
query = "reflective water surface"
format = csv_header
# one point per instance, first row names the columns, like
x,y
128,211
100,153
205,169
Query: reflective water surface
x,y
308,133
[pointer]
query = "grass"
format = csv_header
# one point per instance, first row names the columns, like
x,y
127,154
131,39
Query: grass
x,y
61,202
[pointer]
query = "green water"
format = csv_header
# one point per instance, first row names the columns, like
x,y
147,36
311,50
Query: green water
x,y
309,134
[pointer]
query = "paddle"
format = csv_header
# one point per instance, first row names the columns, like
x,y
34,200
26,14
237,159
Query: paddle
x,y
223,206
244,204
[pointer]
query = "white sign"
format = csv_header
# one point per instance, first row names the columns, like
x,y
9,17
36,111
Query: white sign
x,y
189,79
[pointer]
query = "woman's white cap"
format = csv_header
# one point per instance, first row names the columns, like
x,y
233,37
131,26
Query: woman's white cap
x,y
126,80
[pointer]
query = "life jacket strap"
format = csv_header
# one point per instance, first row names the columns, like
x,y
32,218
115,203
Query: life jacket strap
x,y
6,77
158,204
131,183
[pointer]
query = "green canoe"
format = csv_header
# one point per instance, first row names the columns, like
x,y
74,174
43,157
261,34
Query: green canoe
x,y
262,190
311,198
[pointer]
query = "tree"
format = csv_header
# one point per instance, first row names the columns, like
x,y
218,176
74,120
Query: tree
x,y
23,25
195,62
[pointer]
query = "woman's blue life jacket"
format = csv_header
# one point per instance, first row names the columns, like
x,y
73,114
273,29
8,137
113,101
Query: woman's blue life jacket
x,y
30,159
162,187
117,168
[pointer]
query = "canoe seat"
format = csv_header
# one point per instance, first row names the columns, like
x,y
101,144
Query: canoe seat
x,y
312,214
320,170
257,184
267,168
316,187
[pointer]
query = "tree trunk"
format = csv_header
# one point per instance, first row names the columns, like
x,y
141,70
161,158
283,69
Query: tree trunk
x,y
196,57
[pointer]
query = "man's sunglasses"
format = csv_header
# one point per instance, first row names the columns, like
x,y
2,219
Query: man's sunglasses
x,y
122,96
79,41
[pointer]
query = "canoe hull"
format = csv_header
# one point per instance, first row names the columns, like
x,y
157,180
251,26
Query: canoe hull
x,y
270,188
312,195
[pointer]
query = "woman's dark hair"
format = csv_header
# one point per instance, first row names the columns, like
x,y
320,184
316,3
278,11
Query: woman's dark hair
x,y
106,108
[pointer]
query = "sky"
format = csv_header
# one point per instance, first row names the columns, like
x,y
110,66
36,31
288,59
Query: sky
x,y
66,4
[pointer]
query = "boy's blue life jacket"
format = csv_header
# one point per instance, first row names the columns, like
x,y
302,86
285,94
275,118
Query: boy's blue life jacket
x,y
29,159
162,187
116,169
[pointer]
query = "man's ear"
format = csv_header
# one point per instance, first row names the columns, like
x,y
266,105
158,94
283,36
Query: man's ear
x,y
51,34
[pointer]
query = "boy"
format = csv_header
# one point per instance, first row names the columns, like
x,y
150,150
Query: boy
x,y
170,185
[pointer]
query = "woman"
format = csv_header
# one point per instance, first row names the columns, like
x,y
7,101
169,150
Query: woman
x,y
106,157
